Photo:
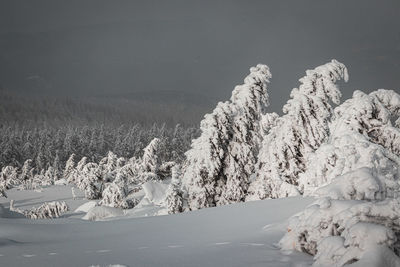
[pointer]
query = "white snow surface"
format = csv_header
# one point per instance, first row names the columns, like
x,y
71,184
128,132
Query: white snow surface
x,y
86,206
243,234
155,191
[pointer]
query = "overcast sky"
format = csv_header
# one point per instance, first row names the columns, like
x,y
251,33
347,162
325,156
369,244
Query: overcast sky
x,y
199,48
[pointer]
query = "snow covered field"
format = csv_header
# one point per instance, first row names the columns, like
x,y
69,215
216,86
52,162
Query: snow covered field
x,y
243,234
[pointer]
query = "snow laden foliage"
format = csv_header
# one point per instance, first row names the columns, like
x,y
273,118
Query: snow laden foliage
x,y
150,163
221,160
302,129
340,232
174,194
362,135
115,195
356,174
48,210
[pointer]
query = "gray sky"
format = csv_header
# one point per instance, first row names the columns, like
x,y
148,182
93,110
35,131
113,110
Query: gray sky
x,y
201,49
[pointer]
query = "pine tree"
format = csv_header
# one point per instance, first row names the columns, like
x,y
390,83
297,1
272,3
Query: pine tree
x,y
27,171
69,167
150,161
221,160
303,128
57,166
174,194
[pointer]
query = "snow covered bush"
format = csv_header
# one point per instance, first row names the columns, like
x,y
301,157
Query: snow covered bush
x,y
9,177
47,210
357,175
302,129
115,195
362,135
221,160
340,232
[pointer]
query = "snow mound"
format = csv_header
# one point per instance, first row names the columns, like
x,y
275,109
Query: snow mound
x,y
99,213
85,207
155,192
360,184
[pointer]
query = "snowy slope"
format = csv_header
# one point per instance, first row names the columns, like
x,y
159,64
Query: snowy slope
x,y
242,234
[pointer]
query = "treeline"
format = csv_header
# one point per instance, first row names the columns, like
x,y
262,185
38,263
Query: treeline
x,y
47,144
34,110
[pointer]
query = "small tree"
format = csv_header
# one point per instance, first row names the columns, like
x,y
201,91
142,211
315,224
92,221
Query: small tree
x,y
69,167
174,194
150,162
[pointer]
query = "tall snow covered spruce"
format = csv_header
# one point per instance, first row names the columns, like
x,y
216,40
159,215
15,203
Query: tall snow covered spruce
x,y
221,160
302,129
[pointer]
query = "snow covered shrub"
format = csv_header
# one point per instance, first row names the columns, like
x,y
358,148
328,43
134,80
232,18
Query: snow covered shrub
x,y
372,116
339,232
114,195
302,129
174,194
47,210
9,177
362,135
221,160
89,181
346,154
361,184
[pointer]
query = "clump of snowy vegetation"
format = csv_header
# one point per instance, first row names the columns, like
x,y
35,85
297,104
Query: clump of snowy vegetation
x,y
221,160
356,175
48,210
302,129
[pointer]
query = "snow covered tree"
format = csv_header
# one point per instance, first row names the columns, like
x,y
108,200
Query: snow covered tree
x,y
27,171
356,174
9,177
221,160
115,195
49,176
57,167
174,194
362,135
69,167
89,181
150,162
303,128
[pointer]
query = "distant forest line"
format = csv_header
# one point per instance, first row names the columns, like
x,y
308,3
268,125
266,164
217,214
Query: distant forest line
x,y
49,129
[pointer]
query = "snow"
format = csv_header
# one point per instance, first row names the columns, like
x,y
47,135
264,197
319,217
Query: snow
x,y
233,235
155,191
86,206
99,213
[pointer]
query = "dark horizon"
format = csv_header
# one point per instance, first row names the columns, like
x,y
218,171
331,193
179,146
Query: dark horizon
x,y
198,51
